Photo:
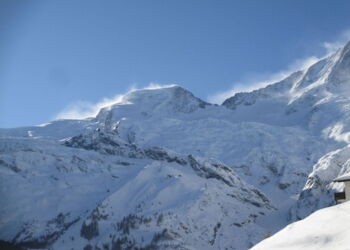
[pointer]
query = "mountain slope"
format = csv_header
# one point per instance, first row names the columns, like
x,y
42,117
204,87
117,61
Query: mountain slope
x,y
83,195
161,168
319,188
316,99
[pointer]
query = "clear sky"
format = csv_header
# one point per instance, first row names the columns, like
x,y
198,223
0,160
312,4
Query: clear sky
x,y
57,54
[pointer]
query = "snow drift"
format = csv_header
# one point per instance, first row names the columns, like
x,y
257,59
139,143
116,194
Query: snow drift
x,y
325,229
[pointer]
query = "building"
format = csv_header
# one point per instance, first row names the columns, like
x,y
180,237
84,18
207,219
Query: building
x,y
343,196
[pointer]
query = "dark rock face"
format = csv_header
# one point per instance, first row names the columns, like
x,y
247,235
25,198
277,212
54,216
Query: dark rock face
x,y
11,166
208,173
132,222
157,153
89,228
4,245
105,142
239,99
60,222
89,231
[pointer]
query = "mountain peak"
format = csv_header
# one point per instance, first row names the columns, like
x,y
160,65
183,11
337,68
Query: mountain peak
x,y
329,74
341,71
167,90
347,45
153,101
171,95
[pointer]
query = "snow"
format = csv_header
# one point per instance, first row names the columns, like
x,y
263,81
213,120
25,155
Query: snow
x,y
345,177
170,170
325,229
320,186
65,189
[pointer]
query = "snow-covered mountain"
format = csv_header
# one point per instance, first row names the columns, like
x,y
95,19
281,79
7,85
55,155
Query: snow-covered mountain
x,y
99,191
319,188
162,168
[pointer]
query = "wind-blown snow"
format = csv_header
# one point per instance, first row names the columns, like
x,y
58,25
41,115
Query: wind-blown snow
x,y
162,168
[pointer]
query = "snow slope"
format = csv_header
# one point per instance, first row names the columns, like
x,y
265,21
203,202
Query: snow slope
x,y
162,168
319,188
81,194
325,229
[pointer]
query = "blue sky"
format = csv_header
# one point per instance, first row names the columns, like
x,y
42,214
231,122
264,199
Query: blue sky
x,y
62,55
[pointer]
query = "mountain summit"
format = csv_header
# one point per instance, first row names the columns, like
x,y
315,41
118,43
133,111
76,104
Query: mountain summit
x,y
163,101
162,169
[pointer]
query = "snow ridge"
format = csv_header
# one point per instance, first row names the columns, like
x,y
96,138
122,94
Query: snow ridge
x,y
163,169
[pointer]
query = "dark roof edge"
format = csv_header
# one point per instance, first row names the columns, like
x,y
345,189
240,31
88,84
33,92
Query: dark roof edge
x,y
342,178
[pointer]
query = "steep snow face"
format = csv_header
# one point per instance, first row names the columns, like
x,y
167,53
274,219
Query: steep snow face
x,y
267,105
316,99
167,101
325,229
319,189
340,75
97,190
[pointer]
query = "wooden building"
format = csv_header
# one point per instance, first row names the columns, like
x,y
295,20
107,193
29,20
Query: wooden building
x,y
343,196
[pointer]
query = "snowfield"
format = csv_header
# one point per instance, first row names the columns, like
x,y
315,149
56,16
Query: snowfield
x,y
325,229
162,169
81,194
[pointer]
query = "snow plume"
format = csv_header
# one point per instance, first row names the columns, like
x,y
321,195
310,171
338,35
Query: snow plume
x,y
333,46
157,86
262,81
254,82
85,109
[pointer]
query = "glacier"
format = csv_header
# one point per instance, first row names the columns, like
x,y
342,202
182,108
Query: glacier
x,y
163,169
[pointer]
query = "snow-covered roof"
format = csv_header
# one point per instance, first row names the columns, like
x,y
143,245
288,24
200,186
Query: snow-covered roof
x,y
311,234
345,177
